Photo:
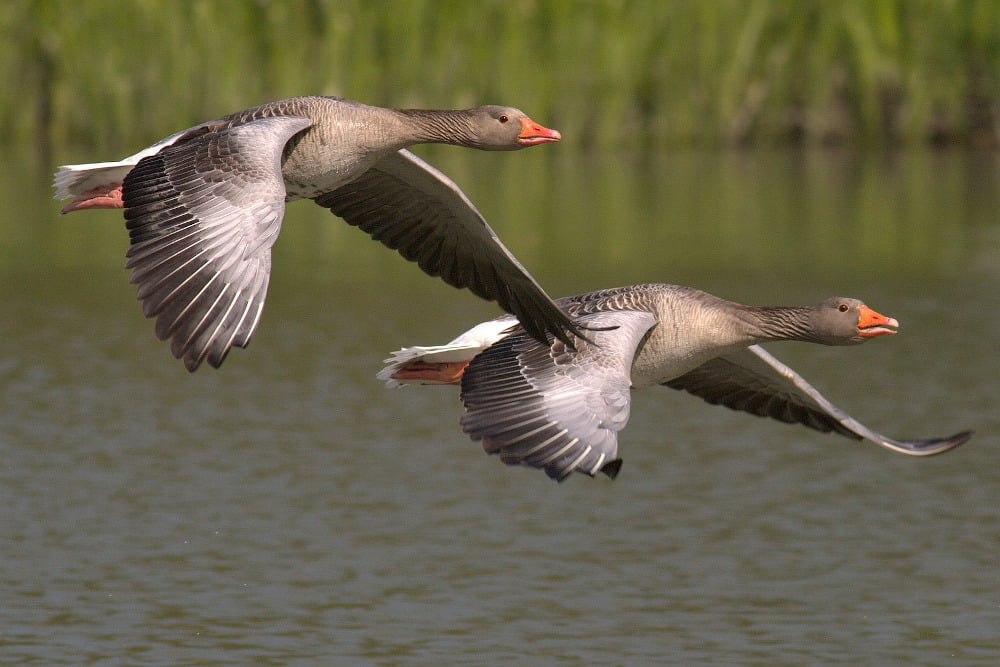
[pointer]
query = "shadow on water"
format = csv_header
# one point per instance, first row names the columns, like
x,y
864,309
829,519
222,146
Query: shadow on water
x,y
288,507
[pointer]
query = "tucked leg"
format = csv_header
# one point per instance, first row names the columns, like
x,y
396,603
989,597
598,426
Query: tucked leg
x,y
441,373
103,196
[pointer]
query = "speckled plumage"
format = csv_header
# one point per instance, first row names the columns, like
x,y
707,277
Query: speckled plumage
x,y
205,205
560,409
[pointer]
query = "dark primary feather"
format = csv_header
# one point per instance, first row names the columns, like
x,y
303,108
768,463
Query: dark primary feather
x,y
391,202
720,381
753,381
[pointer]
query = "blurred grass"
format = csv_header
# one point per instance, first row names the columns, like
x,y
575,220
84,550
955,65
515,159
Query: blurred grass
x,y
118,74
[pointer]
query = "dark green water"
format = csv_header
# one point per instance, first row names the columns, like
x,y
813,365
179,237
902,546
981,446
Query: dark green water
x,y
288,509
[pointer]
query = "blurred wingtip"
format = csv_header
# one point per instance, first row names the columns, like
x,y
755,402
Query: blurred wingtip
x,y
938,445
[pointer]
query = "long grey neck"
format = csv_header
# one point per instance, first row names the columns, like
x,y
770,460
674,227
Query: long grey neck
x,y
449,126
769,323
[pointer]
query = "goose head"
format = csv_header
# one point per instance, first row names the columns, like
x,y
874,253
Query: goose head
x,y
846,321
502,128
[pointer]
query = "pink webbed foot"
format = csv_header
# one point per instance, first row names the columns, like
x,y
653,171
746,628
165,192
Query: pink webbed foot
x,y
442,373
103,196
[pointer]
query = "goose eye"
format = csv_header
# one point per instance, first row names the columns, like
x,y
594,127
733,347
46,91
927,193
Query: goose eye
x,y
503,118
843,308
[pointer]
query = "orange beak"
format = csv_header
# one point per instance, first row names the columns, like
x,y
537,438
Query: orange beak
x,y
532,133
871,324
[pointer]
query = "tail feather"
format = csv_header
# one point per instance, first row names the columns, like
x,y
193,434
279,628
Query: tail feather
x,y
400,359
463,348
75,179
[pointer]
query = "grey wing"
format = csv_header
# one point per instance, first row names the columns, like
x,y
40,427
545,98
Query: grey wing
x,y
415,209
75,179
202,217
552,407
752,380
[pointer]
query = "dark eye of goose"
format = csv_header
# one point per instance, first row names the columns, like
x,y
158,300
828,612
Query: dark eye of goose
x,y
503,118
843,308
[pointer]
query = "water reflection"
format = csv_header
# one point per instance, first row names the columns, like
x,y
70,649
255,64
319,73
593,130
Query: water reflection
x,y
287,507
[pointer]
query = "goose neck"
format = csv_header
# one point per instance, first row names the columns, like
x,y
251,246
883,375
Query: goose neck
x,y
772,323
450,126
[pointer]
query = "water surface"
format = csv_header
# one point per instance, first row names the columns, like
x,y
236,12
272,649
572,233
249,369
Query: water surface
x,y
289,509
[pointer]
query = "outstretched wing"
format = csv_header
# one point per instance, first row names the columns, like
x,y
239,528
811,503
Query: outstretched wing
x,y
552,407
753,381
202,217
415,209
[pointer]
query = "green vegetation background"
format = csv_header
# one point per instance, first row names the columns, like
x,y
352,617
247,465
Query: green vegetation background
x,y
118,74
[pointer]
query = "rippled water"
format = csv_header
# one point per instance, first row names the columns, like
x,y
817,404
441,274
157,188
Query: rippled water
x,y
288,509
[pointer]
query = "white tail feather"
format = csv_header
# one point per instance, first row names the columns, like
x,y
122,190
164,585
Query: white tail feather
x,y
463,348
75,179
